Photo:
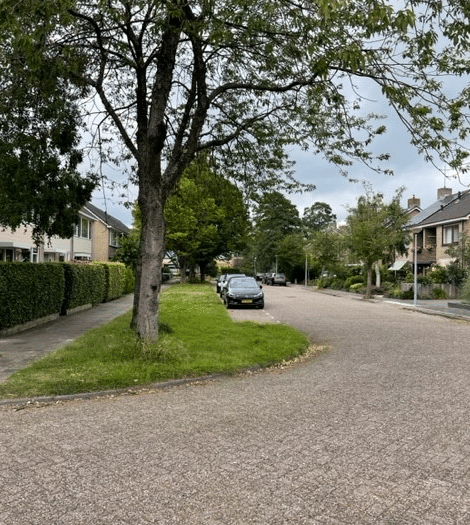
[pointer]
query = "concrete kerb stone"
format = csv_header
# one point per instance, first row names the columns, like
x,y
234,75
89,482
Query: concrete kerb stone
x,y
107,393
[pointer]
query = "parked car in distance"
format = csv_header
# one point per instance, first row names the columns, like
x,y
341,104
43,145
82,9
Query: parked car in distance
x,y
259,276
223,281
266,278
278,278
243,292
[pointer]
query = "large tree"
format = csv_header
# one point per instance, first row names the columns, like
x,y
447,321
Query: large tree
x,y
377,231
317,217
40,124
275,217
206,218
245,79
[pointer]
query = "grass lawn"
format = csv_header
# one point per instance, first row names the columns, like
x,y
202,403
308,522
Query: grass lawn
x,y
197,338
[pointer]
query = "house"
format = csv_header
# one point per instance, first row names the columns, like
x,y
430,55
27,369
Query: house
x,y
437,228
97,236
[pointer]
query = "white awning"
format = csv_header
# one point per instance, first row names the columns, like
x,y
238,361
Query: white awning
x,y
398,265
15,244
445,262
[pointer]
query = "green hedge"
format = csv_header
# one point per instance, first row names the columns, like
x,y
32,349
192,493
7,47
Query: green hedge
x,y
29,291
84,284
116,280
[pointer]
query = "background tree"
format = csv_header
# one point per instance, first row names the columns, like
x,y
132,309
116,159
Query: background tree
x,y
318,216
327,249
40,125
274,217
291,256
376,231
245,80
206,218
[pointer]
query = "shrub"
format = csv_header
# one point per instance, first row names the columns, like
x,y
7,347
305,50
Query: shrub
x,y
84,284
29,291
438,293
354,279
357,287
337,284
465,291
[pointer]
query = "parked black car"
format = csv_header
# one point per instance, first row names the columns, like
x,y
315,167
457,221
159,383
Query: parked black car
x,y
243,292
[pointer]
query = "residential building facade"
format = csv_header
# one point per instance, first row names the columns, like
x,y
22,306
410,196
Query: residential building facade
x,y
97,236
439,227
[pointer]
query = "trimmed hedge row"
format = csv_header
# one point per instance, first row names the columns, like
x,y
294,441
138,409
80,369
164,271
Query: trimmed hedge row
x,y
29,291
84,284
33,291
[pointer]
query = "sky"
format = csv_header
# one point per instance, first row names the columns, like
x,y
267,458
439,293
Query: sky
x,y
411,171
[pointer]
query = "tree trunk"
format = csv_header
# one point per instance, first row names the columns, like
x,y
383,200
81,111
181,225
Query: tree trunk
x,y
182,264
377,275
369,282
149,267
202,270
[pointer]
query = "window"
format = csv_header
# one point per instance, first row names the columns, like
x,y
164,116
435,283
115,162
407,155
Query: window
x,y
451,234
115,238
83,228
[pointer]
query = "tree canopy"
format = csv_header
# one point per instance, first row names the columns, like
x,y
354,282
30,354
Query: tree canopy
x,y
40,185
245,80
206,218
318,216
274,217
377,230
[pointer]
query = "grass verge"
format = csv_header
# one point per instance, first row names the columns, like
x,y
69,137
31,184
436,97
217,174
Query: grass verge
x,y
197,338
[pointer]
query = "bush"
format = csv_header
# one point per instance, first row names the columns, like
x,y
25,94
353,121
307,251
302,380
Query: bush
x,y
84,284
465,291
354,279
357,287
438,293
29,291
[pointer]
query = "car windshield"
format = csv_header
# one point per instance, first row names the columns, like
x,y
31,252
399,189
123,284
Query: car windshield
x,y
242,283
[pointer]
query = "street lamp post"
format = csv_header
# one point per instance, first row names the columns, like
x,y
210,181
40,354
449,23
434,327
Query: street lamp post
x,y
415,271
306,267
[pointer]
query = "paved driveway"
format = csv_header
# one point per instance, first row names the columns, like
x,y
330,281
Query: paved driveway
x,y
374,431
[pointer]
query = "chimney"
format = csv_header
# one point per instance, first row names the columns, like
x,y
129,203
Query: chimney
x,y
414,202
442,193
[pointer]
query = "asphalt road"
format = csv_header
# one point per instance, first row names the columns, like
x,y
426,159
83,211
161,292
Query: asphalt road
x,y
374,430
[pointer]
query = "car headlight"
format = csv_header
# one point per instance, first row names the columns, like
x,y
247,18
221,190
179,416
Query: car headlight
x,y
258,296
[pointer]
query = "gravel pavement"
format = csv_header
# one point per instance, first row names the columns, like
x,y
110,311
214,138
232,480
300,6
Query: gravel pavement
x,y
373,430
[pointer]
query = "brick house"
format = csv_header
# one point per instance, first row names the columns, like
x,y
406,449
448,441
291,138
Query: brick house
x,y
97,236
438,227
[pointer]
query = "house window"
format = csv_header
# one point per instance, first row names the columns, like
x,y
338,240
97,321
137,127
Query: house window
x,y
451,234
115,238
83,228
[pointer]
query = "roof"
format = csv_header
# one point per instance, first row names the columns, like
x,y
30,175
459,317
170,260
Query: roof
x,y
108,219
450,209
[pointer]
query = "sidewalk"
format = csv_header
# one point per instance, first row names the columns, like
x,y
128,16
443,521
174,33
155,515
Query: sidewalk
x,y
19,350
430,306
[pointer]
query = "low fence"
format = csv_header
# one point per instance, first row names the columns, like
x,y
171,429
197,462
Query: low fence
x,y
425,291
